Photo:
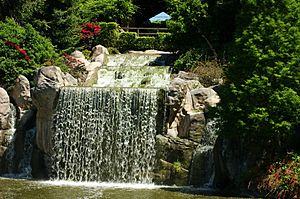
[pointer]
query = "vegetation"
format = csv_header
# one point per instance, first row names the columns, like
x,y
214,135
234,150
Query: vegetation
x,y
282,180
22,50
262,93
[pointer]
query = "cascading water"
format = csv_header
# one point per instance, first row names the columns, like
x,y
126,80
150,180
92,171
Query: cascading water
x,y
107,132
104,134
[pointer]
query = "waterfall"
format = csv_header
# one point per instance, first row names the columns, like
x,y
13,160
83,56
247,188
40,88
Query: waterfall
x,y
104,134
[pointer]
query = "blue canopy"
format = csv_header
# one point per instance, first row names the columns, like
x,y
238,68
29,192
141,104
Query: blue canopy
x,y
160,17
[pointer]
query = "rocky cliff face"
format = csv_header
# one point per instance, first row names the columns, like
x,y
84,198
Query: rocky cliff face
x,y
183,151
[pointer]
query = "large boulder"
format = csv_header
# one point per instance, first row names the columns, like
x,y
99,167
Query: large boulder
x,y
21,92
99,53
4,110
237,161
174,157
48,82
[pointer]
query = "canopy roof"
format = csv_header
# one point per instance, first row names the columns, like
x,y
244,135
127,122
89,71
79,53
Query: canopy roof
x,y
160,17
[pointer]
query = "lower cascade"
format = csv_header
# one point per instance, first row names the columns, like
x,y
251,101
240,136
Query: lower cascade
x,y
105,134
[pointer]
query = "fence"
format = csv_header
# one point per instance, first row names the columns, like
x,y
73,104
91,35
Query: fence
x,y
141,31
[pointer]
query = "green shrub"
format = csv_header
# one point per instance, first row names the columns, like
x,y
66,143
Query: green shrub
x,y
282,180
127,41
144,43
189,60
22,50
262,96
163,42
109,35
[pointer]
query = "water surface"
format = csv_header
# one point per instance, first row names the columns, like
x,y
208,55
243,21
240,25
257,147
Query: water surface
x,y
26,189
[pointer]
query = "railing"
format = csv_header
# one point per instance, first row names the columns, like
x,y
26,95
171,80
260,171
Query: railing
x,y
141,31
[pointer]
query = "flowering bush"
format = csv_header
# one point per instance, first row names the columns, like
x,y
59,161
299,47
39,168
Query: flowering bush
x,y
88,33
16,46
89,30
283,178
22,51
76,67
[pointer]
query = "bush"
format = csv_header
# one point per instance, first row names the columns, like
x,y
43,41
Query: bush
x,y
127,41
163,42
144,43
108,36
262,95
282,180
210,72
188,60
22,50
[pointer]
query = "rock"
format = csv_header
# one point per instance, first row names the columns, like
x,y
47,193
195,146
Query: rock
x,y
69,80
175,149
202,169
237,161
77,54
204,97
191,125
4,110
171,174
21,92
48,80
187,76
98,53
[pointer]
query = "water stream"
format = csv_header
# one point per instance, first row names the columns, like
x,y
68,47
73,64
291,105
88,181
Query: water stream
x,y
105,134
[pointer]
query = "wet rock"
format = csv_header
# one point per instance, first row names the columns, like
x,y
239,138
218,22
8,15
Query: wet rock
x,y
173,152
48,80
202,168
171,174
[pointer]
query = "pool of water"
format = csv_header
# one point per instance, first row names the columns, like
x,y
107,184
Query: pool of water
x,y
27,189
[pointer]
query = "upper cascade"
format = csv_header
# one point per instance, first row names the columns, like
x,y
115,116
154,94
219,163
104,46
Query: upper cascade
x,y
133,71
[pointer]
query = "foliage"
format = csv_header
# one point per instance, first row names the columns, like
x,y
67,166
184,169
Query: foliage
x,y
109,34
144,43
188,60
127,41
282,180
88,33
261,96
22,49
212,20
64,27
22,10
210,72
188,23
106,10
163,42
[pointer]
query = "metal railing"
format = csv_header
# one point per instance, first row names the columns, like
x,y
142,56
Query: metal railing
x,y
142,31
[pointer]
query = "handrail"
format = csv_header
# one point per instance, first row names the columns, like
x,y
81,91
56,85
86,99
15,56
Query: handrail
x,y
141,30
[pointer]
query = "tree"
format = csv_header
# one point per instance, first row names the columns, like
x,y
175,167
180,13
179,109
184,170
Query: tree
x,y
261,95
194,23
